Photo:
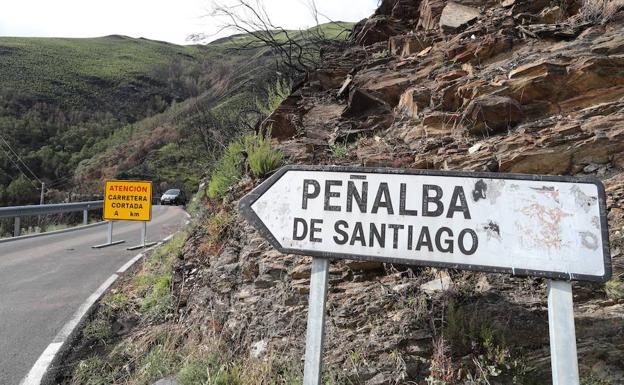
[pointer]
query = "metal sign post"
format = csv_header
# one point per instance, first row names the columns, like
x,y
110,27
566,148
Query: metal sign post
x,y
313,368
109,238
563,356
477,221
143,243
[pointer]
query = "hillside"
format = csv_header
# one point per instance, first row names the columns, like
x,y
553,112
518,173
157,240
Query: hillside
x,y
110,74
180,145
518,86
60,98
81,110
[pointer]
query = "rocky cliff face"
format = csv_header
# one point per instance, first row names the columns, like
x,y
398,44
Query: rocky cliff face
x,y
512,86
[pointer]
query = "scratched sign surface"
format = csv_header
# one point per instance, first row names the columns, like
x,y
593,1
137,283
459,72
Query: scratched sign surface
x,y
519,224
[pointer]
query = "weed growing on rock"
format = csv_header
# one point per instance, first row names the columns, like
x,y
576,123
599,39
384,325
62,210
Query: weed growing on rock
x,y
339,150
98,329
217,226
158,301
92,371
250,151
593,380
153,281
263,158
442,367
615,289
227,171
485,344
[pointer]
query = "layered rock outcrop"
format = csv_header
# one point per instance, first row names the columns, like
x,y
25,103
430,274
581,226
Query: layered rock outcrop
x,y
514,86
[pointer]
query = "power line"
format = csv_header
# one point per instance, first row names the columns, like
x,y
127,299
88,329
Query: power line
x,y
60,181
20,159
17,166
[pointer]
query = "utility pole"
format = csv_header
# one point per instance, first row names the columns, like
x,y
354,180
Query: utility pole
x,y
39,217
42,193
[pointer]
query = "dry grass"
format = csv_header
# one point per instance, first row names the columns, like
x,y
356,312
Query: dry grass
x,y
599,11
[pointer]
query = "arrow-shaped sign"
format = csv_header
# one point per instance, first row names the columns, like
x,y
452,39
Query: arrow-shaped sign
x,y
521,224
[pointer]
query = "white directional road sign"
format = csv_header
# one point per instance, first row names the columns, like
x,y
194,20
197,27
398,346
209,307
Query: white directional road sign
x,y
554,227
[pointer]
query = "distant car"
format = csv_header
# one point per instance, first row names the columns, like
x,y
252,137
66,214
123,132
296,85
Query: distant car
x,y
173,197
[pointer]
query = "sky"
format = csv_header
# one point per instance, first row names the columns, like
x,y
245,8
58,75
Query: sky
x,y
165,20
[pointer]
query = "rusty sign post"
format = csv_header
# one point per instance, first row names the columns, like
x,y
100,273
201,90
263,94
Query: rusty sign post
x,y
525,225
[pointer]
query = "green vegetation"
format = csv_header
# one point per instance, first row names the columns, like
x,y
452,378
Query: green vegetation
x,y
261,159
227,171
276,93
593,380
615,289
92,371
339,150
98,329
79,111
485,342
153,281
88,72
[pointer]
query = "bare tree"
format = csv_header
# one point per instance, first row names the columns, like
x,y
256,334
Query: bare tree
x,y
297,52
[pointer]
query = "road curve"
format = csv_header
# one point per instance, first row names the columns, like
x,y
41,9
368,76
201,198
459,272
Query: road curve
x,y
44,280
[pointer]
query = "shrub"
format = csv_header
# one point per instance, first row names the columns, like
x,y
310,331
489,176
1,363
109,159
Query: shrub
x,y
227,171
263,158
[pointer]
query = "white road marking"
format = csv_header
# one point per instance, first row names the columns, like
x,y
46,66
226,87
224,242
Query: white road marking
x,y
36,373
129,263
137,257
41,366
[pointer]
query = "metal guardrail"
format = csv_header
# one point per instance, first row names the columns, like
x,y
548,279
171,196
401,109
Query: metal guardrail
x,y
32,210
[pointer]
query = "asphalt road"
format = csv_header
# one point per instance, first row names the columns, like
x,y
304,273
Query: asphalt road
x,y
44,280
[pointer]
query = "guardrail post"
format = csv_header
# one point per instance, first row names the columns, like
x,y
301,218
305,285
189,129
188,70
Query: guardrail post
x,y
85,217
17,229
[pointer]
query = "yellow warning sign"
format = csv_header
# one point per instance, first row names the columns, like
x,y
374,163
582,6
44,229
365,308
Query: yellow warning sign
x,y
128,200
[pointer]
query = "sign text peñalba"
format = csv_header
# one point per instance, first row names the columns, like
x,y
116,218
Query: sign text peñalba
x,y
520,224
